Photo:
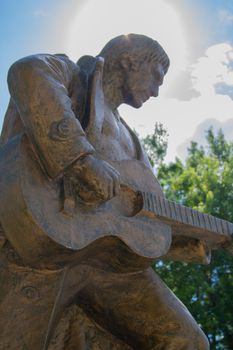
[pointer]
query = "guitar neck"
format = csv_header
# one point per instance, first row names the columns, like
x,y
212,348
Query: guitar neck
x,y
186,221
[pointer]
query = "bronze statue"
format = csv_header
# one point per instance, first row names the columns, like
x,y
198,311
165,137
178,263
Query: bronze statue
x,y
82,215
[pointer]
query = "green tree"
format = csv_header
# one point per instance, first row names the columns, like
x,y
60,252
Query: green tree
x,y
204,181
156,144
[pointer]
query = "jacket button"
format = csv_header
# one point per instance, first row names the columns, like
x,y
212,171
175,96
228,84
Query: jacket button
x,y
64,128
30,292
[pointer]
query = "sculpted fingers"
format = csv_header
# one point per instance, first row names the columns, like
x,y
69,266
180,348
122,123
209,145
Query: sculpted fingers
x,y
108,183
116,185
97,177
110,188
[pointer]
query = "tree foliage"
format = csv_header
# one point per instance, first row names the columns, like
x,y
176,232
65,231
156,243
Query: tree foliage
x,y
204,182
156,144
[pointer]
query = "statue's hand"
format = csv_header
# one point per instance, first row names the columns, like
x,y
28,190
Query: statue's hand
x,y
94,180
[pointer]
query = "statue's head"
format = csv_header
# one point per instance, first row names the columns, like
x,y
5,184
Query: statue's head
x,y
139,62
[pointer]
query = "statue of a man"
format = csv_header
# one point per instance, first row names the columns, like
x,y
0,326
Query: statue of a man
x,y
51,101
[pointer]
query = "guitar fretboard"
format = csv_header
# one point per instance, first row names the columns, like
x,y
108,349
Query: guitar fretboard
x,y
171,211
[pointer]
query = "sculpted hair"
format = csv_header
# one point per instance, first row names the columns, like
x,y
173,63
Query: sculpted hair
x,y
139,48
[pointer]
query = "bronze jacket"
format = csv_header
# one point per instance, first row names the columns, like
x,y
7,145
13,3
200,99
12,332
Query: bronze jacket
x,y
47,99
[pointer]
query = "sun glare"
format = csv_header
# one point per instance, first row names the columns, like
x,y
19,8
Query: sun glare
x,y
98,22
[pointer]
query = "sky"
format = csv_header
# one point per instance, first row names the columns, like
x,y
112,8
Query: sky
x,y
197,35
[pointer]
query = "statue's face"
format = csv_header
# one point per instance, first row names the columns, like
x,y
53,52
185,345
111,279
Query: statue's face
x,y
143,83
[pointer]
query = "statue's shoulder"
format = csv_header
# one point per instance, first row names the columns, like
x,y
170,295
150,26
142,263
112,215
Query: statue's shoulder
x,y
63,58
45,62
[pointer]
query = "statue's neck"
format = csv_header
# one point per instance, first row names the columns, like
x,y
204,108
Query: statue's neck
x,y
113,92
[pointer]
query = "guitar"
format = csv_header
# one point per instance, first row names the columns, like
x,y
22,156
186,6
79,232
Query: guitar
x,y
33,218
127,232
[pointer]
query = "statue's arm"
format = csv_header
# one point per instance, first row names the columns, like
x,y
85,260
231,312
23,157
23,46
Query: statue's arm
x,y
39,87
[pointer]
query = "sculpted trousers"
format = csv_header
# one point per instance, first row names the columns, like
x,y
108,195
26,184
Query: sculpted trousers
x,y
136,308
141,310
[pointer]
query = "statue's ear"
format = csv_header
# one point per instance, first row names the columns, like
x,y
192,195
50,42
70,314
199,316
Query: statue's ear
x,y
127,63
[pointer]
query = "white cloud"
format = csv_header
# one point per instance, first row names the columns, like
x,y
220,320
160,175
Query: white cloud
x,y
213,68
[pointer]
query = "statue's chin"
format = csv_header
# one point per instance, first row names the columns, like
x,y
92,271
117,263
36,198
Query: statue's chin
x,y
134,103
137,104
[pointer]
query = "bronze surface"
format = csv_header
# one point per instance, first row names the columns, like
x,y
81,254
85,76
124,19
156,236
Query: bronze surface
x,y
82,214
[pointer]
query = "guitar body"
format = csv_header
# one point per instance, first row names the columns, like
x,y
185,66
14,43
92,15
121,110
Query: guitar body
x,y
116,234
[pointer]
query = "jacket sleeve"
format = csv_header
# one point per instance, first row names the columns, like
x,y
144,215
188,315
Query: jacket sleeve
x,y
39,86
